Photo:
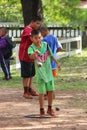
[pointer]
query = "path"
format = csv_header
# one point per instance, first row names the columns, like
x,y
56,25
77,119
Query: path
x,y
17,113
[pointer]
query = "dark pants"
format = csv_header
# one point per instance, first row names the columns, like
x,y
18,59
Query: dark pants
x,y
5,65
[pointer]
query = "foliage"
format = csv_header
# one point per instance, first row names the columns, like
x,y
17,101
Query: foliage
x,y
56,12
63,12
10,11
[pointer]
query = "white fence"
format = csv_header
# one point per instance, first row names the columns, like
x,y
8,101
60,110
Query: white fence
x,y
68,46
67,43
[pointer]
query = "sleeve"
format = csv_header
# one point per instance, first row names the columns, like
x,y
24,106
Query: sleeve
x,y
3,43
58,44
26,32
30,50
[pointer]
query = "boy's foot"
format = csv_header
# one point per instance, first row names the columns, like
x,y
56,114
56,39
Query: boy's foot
x,y
51,112
27,95
33,92
42,112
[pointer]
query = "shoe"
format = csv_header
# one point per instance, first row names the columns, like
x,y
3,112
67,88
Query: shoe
x,y
51,112
7,78
42,112
27,96
33,93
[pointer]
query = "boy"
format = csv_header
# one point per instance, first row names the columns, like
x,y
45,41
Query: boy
x,y
27,64
5,63
41,53
54,45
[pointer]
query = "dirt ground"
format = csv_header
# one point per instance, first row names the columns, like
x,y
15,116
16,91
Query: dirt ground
x,y
17,113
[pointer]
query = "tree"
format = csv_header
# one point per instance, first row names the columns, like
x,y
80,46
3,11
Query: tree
x,y
55,11
31,8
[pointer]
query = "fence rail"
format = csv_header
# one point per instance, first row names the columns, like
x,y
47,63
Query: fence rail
x,y
68,37
57,31
66,43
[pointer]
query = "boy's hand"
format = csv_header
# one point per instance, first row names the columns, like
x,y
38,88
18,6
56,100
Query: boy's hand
x,y
59,67
33,56
36,52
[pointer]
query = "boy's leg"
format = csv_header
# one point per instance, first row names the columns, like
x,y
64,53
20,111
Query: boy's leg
x,y
27,72
42,90
54,73
41,102
5,69
32,91
50,89
50,100
26,88
8,66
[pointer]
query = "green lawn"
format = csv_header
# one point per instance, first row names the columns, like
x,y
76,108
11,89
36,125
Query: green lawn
x,y
72,76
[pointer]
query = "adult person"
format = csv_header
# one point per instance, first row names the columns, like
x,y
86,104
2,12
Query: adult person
x,y
27,64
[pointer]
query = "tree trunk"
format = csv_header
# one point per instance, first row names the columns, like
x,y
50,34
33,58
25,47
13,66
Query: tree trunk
x,y
31,8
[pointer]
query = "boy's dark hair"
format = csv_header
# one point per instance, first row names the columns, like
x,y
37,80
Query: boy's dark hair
x,y
35,32
36,18
43,28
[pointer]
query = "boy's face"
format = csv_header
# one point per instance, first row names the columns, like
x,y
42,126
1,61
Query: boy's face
x,y
36,24
36,39
0,32
43,33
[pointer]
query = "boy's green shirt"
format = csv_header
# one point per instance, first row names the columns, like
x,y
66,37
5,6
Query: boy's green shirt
x,y
44,73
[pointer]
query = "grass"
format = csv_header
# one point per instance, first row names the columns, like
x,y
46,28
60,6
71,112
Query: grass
x,y
74,72
72,76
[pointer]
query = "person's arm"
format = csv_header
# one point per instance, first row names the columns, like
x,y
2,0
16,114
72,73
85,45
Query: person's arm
x,y
60,49
59,46
57,63
32,53
53,58
3,43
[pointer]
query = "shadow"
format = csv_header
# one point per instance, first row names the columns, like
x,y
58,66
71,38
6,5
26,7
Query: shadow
x,y
38,116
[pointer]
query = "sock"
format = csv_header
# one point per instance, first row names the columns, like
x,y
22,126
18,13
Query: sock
x,y
49,107
25,89
41,109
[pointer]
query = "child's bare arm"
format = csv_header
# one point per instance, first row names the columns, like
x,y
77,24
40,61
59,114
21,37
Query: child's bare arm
x,y
33,56
60,50
57,63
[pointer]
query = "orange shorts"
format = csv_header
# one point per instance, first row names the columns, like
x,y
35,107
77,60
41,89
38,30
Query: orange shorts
x,y
54,72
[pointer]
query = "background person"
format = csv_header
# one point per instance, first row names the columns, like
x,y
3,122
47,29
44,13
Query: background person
x,y
27,64
55,46
5,62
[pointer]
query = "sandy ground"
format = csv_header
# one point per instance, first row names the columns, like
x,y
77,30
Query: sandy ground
x,y
17,113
